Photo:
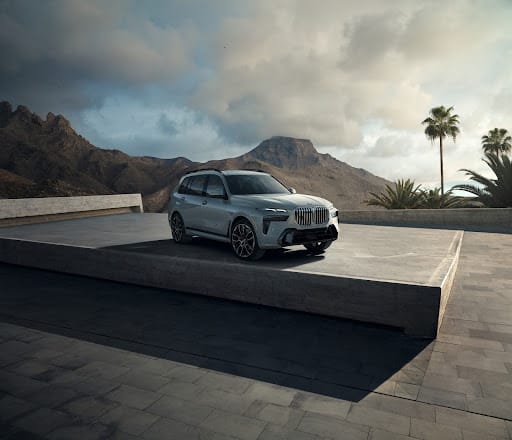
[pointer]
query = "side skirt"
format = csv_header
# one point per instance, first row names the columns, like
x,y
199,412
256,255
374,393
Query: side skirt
x,y
209,235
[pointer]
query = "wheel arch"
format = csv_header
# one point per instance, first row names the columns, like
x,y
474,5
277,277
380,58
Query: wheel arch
x,y
237,218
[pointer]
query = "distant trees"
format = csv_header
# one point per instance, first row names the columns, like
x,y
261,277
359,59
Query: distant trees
x,y
497,141
439,124
494,193
405,194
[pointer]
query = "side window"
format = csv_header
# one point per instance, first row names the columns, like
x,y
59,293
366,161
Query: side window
x,y
215,187
197,185
183,189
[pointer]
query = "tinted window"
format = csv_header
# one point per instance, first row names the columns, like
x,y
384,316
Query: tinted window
x,y
183,189
215,187
197,185
255,184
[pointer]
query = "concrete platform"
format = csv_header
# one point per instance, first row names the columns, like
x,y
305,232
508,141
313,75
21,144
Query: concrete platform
x,y
394,276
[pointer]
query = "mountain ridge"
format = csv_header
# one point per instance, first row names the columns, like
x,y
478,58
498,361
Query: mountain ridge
x,y
46,157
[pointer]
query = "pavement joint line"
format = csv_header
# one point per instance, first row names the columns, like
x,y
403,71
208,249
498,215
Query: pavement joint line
x,y
247,365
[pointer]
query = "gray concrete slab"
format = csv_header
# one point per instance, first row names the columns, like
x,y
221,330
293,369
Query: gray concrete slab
x,y
383,275
409,255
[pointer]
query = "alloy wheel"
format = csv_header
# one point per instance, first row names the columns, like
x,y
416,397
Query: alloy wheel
x,y
243,240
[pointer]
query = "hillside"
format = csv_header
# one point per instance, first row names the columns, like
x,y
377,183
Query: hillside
x,y
46,157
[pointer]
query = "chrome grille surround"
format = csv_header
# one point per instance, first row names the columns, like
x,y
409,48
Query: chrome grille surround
x,y
318,215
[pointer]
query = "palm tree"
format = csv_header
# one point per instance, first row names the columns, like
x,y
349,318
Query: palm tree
x,y
402,196
435,199
497,141
439,124
494,193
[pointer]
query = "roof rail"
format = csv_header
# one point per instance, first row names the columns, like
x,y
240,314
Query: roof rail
x,y
202,169
257,170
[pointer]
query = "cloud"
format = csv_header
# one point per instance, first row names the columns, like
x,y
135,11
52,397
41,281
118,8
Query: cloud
x,y
210,80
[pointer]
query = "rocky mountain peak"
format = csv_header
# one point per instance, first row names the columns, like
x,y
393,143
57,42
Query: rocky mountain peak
x,y
5,113
286,152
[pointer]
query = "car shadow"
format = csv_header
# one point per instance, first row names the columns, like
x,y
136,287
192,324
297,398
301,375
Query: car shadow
x,y
204,249
329,356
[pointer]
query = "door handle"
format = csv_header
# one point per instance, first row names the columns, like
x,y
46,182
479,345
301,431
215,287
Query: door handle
x,y
205,202
182,198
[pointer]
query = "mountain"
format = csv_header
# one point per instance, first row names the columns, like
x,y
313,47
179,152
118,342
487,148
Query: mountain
x,y
46,157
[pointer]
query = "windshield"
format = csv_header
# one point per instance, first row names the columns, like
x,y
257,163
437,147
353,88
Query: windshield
x,y
254,184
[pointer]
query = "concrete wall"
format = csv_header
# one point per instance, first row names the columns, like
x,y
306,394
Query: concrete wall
x,y
492,219
19,211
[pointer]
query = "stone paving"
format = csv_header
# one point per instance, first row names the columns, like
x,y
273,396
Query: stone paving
x,y
89,359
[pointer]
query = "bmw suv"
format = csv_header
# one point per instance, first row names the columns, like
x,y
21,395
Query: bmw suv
x,y
252,210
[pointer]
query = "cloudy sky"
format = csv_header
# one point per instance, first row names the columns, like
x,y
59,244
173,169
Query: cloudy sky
x,y
211,79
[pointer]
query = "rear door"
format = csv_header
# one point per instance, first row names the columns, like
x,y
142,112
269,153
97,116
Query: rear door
x,y
215,207
192,201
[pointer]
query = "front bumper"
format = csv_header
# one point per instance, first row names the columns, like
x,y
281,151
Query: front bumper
x,y
291,237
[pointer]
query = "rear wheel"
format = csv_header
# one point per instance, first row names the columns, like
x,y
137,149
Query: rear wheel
x,y
178,229
244,241
317,247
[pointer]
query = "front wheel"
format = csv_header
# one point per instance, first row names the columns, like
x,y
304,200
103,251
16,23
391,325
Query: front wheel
x,y
317,247
178,229
244,241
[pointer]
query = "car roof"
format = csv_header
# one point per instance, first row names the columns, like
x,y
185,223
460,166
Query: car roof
x,y
224,172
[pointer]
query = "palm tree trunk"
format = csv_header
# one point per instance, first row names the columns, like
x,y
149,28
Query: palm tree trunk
x,y
441,159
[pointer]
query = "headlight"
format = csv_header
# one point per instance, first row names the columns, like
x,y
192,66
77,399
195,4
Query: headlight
x,y
273,210
273,215
334,212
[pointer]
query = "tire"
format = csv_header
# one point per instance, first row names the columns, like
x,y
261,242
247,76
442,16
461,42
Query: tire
x,y
318,247
244,241
178,229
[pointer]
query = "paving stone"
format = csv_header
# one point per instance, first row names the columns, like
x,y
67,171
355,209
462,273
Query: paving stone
x,y
167,429
389,421
46,354
17,385
332,427
69,361
145,381
407,390
11,407
225,382
280,415
129,420
42,421
469,435
187,373
233,425
53,396
270,393
491,406
185,390
399,406
102,370
277,432
455,384
91,431
380,434
424,430
442,397
160,367
88,406
230,402
323,405
16,348
95,386
179,409
133,397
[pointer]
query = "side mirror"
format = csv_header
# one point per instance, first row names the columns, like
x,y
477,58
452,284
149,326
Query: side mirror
x,y
292,190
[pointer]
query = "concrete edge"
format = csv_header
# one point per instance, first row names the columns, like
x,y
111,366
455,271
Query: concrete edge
x,y
447,283
414,308
49,206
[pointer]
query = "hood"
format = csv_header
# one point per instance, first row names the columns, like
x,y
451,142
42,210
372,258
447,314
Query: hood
x,y
283,201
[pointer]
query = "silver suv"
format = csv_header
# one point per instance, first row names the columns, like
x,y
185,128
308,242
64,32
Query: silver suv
x,y
251,210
